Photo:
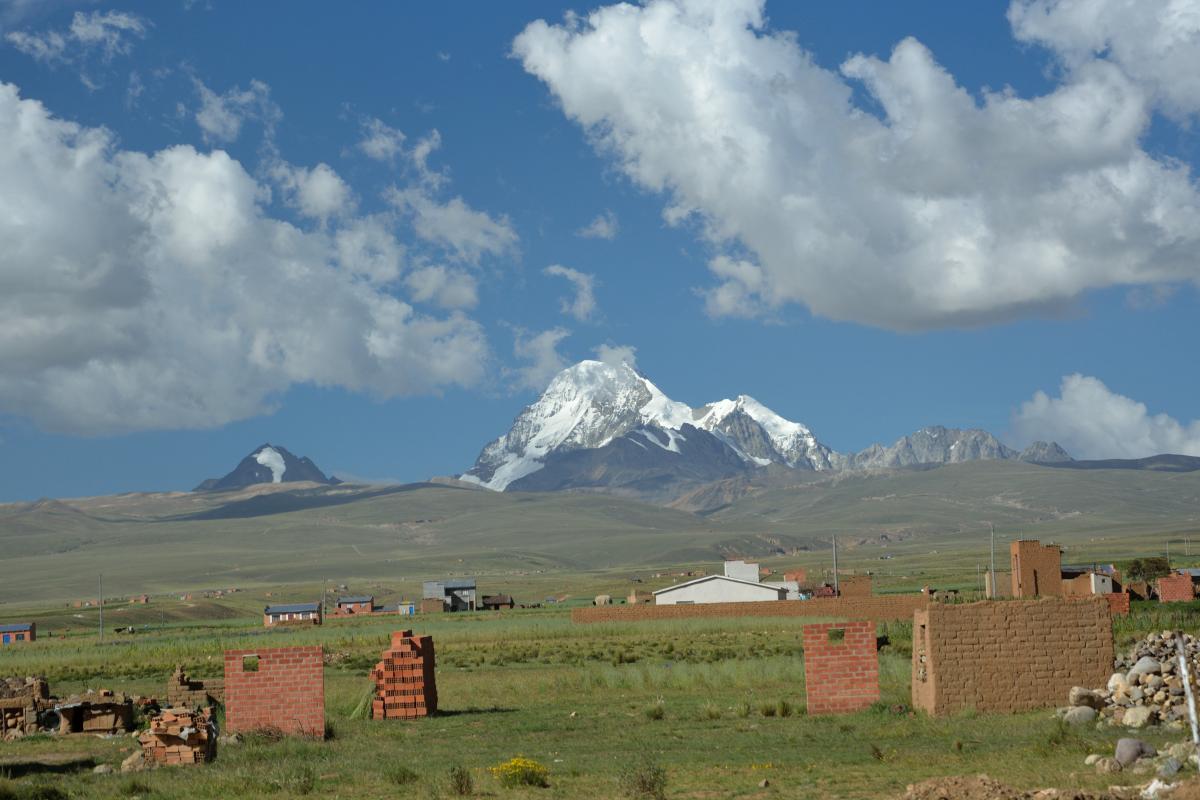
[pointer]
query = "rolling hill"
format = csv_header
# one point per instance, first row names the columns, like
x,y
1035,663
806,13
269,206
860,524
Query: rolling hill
x,y
271,534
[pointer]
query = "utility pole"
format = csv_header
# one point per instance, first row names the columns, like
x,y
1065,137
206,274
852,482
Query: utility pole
x,y
324,583
836,591
992,569
100,591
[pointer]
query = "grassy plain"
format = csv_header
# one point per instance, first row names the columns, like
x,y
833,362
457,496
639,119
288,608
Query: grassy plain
x,y
719,704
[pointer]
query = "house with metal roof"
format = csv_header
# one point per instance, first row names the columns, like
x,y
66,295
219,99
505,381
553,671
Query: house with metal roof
x,y
456,594
18,632
286,614
719,589
355,604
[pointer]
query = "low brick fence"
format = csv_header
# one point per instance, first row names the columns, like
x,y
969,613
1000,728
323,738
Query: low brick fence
x,y
880,608
1176,588
1118,603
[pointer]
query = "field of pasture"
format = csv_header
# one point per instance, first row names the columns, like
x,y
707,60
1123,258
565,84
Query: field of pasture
x,y
697,708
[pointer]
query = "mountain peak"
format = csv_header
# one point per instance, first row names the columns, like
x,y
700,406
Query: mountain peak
x,y
268,463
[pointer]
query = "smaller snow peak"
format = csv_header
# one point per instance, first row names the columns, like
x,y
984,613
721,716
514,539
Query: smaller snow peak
x,y
270,458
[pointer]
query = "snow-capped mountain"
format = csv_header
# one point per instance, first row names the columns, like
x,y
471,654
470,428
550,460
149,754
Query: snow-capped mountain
x,y
601,426
268,464
586,406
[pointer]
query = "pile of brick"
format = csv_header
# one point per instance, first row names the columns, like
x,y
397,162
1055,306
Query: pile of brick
x,y
1146,687
405,687
184,691
179,736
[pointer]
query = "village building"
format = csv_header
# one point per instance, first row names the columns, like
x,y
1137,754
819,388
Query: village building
x,y
742,571
495,602
456,594
718,589
1036,569
18,632
1081,581
285,614
361,604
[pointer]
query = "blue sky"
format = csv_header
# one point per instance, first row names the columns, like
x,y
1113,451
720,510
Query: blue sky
x,y
142,356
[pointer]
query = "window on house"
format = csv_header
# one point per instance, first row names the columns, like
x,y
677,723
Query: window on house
x,y
249,663
837,635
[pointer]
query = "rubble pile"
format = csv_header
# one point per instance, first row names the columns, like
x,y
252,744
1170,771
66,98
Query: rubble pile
x,y
22,701
179,736
1145,688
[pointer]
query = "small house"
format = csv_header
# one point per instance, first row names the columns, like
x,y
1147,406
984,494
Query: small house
x,y
742,571
361,604
637,598
718,589
18,632
293,613
456,594
495,602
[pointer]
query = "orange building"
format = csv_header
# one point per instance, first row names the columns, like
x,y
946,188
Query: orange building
x,y
1036,569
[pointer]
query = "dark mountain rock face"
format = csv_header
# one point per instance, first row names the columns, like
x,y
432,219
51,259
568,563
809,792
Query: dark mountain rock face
x,y
268,464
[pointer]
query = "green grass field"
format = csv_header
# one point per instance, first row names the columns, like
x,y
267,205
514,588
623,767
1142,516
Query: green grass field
x,y
718,704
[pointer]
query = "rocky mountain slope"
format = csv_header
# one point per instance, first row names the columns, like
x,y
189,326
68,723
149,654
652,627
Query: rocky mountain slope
x,y
607,427
268,464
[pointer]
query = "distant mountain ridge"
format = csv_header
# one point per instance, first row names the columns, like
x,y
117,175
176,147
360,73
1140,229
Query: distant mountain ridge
x,y
268,464
607,427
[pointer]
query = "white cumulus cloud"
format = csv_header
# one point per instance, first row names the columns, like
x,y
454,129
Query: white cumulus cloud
x,y
445,287
220,116
318,193
1092,421
1155,43
583,304
922,206
604,226
617,354
143,291
380,141
91,36
539,352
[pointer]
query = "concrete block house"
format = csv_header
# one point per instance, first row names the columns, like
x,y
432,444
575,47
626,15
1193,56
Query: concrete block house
x,y
292,613
18,633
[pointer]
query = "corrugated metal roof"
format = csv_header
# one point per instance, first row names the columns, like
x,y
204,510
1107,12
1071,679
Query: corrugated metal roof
x,y
16,627
459,583
293,608
721,578
361,599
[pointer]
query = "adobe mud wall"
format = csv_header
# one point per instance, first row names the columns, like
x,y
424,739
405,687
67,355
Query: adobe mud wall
x,y
1007,656
279,688
841,673
1036,569
880,608
855,586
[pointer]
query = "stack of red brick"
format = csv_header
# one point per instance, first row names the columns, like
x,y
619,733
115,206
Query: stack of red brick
x,y
405,687
179,736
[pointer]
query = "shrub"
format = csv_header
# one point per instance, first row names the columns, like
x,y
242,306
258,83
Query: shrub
x,y
461,782
521,772
400,775
743,709
655,711
767,709
710,710
644,781
784,708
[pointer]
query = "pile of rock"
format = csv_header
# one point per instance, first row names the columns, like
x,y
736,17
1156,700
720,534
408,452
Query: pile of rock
x,y
1140,758
1146,688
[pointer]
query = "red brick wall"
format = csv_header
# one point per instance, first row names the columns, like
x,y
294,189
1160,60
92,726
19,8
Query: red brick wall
x,y
840,676
1118,603
1175,588
287,692
880,608
1008,656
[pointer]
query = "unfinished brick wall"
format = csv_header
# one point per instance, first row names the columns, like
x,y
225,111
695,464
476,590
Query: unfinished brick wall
x,y
275,688
1006,656
405,686
1118,603
1079,586
1036,569
855,586
841,667
880,608
1176,588
185,692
